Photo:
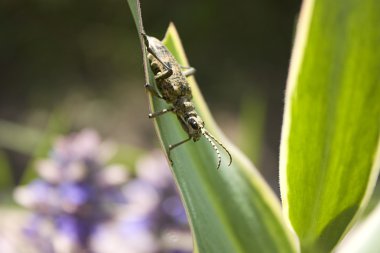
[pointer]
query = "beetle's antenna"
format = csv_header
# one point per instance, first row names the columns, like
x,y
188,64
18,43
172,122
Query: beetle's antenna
x,y
206,133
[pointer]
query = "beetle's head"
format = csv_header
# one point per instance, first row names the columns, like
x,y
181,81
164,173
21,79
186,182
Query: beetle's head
x,y
195,125
196,128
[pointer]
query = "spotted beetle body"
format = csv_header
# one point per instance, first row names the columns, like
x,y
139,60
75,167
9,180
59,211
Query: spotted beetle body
x,y
173,87
173,84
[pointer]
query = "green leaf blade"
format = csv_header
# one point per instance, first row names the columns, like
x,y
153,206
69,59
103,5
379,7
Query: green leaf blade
x,y
231,209
331,128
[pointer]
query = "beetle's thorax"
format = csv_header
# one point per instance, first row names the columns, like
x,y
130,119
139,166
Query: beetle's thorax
x,y
183,106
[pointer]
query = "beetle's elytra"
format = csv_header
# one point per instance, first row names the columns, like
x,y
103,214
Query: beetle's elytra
x,y
175,90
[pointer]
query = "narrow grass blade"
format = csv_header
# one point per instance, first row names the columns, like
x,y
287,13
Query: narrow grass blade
x,y
330,142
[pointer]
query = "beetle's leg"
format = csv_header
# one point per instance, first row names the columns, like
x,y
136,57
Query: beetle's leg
x,y
156,114
188,71
160,72
153,90
165,74
168,70
171,147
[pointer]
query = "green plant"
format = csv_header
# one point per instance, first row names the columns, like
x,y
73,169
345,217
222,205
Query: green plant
x,y
329,158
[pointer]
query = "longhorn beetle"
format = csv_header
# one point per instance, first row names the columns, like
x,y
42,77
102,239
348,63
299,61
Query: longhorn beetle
x,y
175,90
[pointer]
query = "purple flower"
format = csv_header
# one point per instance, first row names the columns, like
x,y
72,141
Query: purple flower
x,y
80,205
153,219
153,192
69,200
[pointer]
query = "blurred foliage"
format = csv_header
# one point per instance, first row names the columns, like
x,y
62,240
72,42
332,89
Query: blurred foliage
x,y
57,126
50,47
18,137
38,143
6,180
81,57
251,126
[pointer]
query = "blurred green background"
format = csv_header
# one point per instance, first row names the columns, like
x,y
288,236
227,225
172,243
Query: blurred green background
x,y
81,60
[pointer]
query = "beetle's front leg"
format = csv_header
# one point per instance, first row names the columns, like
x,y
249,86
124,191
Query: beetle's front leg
x,y
166,73
156,114
171,147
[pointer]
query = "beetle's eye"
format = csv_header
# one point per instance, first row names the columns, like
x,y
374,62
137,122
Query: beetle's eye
x,y
193,123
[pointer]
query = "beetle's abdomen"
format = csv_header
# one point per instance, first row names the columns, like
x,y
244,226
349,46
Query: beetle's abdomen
x,y
171,90
175,85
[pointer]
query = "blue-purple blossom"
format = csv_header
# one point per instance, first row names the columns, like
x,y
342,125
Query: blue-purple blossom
x,y
71,198
81,205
